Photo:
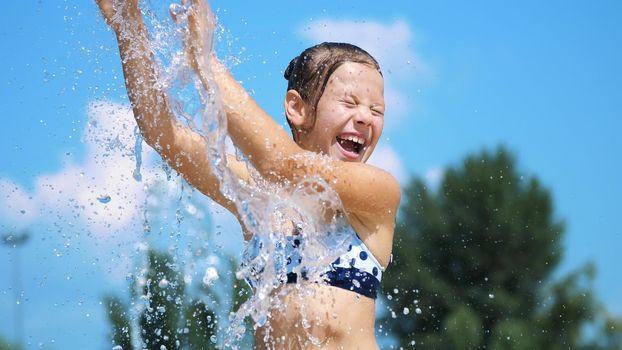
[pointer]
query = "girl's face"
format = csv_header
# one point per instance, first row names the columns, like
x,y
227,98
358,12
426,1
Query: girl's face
x,y
349,114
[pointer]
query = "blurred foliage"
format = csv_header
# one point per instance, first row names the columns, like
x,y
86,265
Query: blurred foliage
x,y
475,260
6,345
609,335
170,318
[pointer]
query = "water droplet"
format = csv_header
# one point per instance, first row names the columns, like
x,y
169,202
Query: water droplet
x,y
163,283
179,11
491,296
418,311
263,319
211,274
406,311
104,199
117,347
137,175
213,339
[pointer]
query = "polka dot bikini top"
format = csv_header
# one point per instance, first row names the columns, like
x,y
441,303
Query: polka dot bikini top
x,y
356,270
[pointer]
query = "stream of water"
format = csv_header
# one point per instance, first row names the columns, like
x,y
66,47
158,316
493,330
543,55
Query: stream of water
x,y
270,211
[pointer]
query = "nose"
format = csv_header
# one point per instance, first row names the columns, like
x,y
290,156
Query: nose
x,y
363,116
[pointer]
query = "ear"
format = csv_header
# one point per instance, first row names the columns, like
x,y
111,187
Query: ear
x,y
295,109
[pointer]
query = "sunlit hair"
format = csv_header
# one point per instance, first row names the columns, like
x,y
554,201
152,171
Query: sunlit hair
x,y
309,72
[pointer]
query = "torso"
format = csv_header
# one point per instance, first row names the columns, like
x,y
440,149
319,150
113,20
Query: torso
x,y
337,318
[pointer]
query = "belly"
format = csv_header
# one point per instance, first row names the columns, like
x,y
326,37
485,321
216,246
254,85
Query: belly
x,y
315,316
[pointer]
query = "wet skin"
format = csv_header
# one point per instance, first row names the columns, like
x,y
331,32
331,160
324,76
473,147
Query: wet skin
x,y
338,318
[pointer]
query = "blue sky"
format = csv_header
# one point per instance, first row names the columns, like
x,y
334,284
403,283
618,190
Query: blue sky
x,y
544,79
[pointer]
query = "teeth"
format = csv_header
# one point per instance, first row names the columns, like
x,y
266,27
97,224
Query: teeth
x,y
356,139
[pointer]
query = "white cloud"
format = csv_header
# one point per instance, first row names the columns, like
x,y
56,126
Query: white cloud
x,y
69,197
385,157
18,207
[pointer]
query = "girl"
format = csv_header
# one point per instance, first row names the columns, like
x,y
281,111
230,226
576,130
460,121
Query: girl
x,y
334,105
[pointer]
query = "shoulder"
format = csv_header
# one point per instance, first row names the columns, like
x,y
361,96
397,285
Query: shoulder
x,y
378,192
389,184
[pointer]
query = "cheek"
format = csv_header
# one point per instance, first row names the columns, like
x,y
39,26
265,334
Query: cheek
x,y
329,124
377,125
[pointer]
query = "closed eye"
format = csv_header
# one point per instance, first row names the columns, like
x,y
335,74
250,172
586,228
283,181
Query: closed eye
x,y
349,103
377,112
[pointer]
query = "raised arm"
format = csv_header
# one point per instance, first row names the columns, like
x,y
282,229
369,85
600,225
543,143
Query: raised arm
x,y
368,193
183,149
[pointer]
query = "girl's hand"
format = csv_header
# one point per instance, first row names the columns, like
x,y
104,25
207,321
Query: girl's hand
x,y
201,26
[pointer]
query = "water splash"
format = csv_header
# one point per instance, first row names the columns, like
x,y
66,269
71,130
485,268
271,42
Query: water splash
x,y
138,151
268,210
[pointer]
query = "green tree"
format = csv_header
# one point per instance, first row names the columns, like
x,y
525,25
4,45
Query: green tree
x,y
6,345
120,321
162,310
474,260
161,321
170,318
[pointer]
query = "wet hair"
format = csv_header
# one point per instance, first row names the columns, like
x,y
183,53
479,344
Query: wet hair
x,y
309,72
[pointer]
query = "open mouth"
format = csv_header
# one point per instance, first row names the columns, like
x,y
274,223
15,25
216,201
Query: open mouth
x,y
352,145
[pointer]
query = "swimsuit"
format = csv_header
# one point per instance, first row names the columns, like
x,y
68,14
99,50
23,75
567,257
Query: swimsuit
x,y
355,270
